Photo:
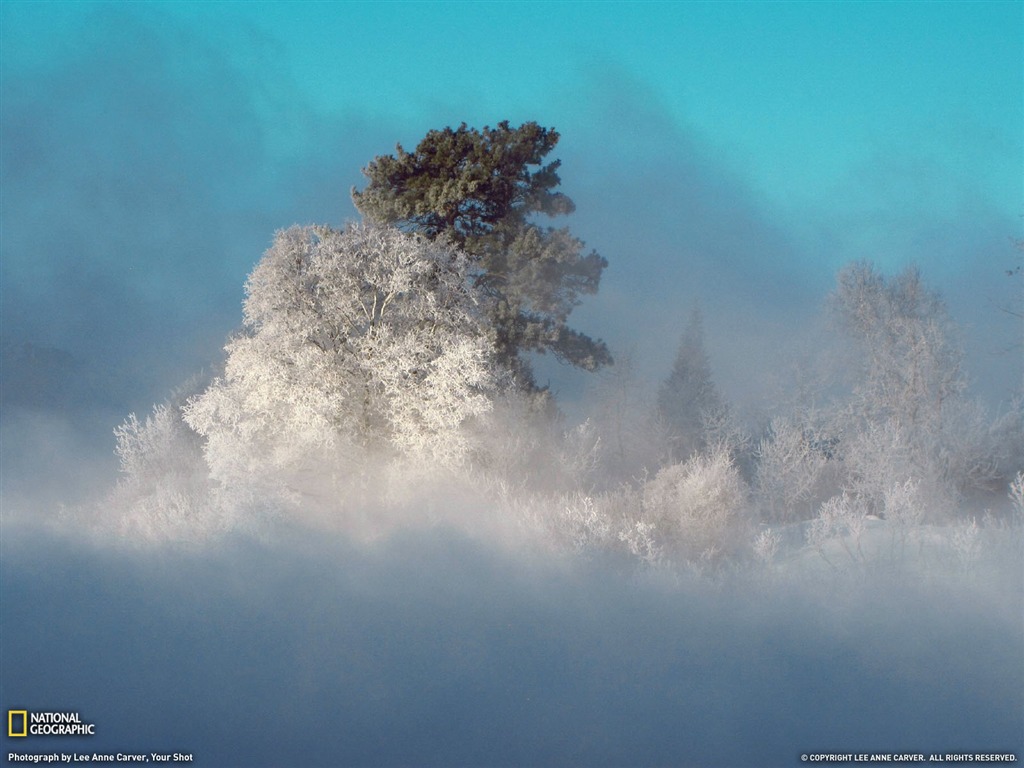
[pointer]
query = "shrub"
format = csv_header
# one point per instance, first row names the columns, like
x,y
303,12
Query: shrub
x,y
698,506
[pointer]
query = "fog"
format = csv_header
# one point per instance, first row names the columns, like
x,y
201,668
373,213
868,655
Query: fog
x,y
434,649
149,153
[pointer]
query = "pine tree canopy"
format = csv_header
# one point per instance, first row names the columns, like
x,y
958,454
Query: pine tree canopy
x,y
689,394
480,189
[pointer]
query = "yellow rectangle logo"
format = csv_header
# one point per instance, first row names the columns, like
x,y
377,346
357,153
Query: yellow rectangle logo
x,y
13,713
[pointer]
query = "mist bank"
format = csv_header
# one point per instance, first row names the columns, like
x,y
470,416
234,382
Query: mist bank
x,y
428,647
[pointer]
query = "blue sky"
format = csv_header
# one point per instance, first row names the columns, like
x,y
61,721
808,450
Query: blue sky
x,y
796,97
732,153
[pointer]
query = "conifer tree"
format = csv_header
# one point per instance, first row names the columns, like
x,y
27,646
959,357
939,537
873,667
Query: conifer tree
x,y
480,190
689,396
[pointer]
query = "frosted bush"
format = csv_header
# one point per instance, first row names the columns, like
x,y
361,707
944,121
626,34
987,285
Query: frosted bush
x,y
163,492
583,523
881,457
842,518
903,506
698,506
161,446
1007,434
792,464
766,546
904,512
723,433
971,449
641,542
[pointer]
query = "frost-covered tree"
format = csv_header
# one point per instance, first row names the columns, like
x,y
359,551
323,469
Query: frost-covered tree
x,y
688,397
910,355
908,418
360,340
481,190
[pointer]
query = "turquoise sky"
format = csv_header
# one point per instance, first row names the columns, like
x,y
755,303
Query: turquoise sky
x,y
733,153
799,99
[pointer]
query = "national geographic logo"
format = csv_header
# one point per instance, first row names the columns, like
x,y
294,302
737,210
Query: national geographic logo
x,y
21,722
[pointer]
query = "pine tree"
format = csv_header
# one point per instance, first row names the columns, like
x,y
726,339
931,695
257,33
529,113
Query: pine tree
x,y
480,190
689,396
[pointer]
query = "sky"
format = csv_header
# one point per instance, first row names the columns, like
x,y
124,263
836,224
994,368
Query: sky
x,y
735,154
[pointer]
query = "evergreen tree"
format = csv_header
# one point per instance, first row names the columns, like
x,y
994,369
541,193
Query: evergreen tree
x,y
689,396
480,189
